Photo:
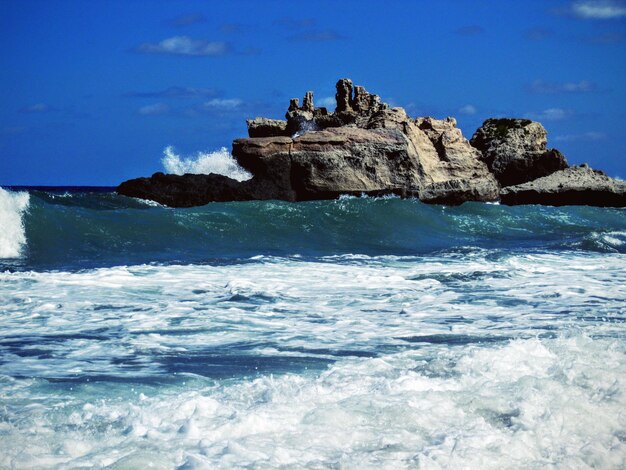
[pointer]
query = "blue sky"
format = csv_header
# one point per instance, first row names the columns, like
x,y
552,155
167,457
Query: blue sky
x,y
92,92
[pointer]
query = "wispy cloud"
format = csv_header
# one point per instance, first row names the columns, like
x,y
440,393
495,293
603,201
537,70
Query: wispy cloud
x,y
599,9
37,108
468,110
550,114
585,136
537,34
316,36
470,30
175,92
185,46
222,104
188,20
546,87
154,109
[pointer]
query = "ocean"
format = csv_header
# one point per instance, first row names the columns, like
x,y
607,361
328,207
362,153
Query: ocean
x,y
352,334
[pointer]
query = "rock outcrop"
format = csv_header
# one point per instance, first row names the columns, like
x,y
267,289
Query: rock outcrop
x,y
366,147
515,150
578,185
363,147
263,127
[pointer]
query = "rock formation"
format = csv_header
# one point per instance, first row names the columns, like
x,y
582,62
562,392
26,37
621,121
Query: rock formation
x,y
515,150
366,147
263,127
578,185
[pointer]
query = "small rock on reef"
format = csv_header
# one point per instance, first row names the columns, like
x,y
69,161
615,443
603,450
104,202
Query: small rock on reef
x,y
578,185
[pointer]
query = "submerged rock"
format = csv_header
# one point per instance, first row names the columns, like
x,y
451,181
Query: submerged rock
x,y
515,150
578,185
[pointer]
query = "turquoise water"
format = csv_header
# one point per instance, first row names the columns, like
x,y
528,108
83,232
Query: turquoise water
x,y
356,333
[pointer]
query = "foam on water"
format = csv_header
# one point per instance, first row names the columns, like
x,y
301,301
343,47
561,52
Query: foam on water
x,y
476,359
13,205
219,162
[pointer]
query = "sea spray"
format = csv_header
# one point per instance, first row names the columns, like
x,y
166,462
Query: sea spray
x,y
219,162
12,233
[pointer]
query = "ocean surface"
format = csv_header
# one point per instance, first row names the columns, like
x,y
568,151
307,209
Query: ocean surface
x,y
357,333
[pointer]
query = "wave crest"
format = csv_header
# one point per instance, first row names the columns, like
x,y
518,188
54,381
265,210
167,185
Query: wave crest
x,y
12,233
219,162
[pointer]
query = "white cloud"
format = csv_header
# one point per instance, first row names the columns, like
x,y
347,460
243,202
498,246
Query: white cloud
x,y
542,86
184,45
550,114
586,136
222,103
174,92
153,109
555,113
326,102
468,109
599,9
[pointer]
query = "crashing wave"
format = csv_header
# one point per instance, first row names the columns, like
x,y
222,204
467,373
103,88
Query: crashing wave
x,y
220,162
12,232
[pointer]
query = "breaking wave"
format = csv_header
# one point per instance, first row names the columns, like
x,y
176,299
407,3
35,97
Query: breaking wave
x,y
83,229
219,162
12,233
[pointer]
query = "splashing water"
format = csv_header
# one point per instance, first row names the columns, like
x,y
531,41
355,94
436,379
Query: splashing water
x,y
306,126
12,234
220,162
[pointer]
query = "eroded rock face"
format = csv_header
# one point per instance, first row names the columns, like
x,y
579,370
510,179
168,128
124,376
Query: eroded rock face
x,y
578,185
379,151
515,150
365,147
362,148
263,127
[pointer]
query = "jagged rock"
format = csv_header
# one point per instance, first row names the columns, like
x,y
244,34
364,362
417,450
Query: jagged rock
x,y
454,170
307,102
515,150
263,127
344,96
364,147
390,154
365,103
572,186
300,119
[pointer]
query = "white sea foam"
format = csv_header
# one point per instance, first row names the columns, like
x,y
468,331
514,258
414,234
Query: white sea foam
x,y
547,391
12,233
220,162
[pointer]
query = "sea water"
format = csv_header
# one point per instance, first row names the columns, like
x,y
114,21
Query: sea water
x,y
355,333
